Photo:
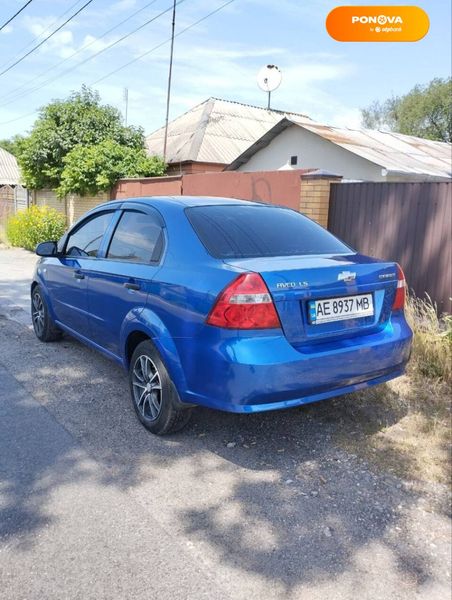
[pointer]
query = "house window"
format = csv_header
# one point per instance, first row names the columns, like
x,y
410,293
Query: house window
x,y
293,160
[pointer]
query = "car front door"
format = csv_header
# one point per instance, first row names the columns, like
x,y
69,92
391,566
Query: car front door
x,y
122,279
67,275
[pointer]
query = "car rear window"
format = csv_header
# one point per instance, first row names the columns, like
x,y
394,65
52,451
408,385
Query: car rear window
x,y
240,231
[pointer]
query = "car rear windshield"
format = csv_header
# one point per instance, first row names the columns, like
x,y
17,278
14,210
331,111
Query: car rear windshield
x,y
240,231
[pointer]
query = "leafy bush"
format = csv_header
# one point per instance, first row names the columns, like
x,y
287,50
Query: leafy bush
x,y
36,224
90,169
432,344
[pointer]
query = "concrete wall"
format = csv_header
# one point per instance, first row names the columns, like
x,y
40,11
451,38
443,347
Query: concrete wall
x,y
313,152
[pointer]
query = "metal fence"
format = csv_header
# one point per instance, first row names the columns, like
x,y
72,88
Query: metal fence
x,y
406,222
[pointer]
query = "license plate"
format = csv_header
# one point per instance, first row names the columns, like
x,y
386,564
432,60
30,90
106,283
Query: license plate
x,y
339,309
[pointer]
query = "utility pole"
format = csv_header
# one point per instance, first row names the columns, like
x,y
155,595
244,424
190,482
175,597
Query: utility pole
x,y
169,81
126,100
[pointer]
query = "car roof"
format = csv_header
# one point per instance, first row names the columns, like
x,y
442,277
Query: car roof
x,y
183,201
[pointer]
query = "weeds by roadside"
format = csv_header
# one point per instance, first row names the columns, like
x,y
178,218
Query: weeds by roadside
x,y
3,239
432,344
404,426
36,224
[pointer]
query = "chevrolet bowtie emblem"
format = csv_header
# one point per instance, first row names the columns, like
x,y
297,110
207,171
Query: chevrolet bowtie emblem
x,y
346,276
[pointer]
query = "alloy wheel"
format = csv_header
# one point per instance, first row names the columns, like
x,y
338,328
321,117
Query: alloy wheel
x,y
147,387
37,314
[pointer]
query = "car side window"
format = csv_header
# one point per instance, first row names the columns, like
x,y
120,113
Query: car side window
x,y
138,237
86,239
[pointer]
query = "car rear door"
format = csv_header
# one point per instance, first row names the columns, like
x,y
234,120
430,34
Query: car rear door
x,y
66,276
119,286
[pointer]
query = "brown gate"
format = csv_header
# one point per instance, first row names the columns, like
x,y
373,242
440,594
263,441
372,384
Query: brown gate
x,y
406,222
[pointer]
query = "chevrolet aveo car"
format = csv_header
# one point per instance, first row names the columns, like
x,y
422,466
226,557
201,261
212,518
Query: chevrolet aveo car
x,y
230,304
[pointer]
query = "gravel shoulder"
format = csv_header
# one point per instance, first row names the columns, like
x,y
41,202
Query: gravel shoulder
x,y
93,506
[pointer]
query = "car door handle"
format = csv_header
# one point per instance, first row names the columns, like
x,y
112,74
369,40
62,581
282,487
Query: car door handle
x,y
131,286
78,275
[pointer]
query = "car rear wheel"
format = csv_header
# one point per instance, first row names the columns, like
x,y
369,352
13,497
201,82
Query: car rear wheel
x,y
154,395
45,329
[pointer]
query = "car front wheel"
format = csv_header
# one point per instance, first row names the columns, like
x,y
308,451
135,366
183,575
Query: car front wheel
x,y
45,329
154,395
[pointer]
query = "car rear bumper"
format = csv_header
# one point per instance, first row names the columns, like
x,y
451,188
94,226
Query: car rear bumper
x,y
252,374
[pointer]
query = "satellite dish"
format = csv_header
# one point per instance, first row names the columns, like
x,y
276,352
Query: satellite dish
x,y
269,79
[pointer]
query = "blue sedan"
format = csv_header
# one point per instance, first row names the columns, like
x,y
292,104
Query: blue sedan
x,y
234,305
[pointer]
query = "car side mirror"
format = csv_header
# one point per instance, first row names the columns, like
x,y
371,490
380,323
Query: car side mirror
x,y
47,249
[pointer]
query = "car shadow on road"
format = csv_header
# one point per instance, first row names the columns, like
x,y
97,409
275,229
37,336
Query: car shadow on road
x,y
270,494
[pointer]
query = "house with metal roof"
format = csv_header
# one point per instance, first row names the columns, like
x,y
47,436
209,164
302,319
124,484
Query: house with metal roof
x,y
213,134
12,195
219,135
356,154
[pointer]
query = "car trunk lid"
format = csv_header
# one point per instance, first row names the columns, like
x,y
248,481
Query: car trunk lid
x,y
295,282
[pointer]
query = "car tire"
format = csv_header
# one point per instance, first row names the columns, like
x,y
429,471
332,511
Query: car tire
x,y
154,395
43,325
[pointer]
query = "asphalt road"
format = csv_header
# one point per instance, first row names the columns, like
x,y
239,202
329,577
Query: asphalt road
x,y
92,506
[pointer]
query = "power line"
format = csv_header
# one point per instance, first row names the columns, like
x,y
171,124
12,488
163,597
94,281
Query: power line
x,y
82,62
34,112
33,40
46,38
213,12
182,31
15,15
59,63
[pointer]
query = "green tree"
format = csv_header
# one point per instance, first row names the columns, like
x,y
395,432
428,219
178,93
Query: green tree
x,y
12,145
426,111
380,115
64,124
89,169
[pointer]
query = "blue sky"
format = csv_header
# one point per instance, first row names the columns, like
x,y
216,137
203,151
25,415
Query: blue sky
x,y
220,57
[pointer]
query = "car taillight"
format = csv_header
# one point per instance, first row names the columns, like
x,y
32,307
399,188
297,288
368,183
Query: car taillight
x,y
245,304
399,298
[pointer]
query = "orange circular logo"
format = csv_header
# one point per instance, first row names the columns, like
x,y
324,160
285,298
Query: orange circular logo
x,y
377,23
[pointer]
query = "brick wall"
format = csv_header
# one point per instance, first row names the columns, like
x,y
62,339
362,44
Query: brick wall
x,y
315,195
73,206
48,198
77,206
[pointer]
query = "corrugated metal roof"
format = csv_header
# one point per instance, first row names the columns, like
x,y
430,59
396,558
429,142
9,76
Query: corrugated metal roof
x,y
9,170
394,152
226,132
215,131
